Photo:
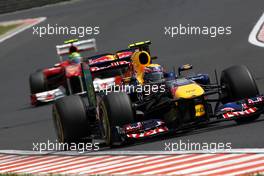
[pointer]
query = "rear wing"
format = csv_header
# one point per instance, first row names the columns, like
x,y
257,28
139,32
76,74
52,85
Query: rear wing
x,y
83,45
141,46
108,60
101,59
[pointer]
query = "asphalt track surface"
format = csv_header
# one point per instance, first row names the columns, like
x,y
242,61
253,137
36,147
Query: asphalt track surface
x,y
122,22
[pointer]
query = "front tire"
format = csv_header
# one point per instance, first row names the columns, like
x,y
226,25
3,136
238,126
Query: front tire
x,y
115,109
239,84
37,82
70,119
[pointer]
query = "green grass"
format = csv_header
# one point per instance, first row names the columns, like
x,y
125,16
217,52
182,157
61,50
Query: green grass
x,y
5,28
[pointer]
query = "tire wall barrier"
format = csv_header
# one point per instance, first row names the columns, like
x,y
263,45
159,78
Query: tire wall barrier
x,y
14,5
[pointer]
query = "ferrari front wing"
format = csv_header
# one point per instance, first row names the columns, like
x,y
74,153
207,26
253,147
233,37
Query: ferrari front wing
x,y
48,96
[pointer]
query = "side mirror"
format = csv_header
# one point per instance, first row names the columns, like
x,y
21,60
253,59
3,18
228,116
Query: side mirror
x,y
184,68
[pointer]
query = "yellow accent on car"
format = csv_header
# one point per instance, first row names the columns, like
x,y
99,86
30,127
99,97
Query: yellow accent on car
x,y
189,91
199,110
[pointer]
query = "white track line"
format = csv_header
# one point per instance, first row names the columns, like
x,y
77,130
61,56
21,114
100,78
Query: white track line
x,y
254,33
21,29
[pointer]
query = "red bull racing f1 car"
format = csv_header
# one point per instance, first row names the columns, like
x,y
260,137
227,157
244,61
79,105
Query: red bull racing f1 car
x,y
177,101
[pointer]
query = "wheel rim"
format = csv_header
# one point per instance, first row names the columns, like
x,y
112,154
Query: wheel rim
x,y
58,125
104,124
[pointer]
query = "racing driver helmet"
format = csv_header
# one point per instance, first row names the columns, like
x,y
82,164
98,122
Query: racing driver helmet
x,y
153,73
75,58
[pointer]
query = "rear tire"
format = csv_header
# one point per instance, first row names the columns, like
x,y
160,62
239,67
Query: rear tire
x,y
37,82
239,84
70,119
115,109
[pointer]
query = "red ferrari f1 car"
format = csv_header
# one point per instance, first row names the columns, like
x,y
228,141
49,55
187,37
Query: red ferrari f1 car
x,y
64,77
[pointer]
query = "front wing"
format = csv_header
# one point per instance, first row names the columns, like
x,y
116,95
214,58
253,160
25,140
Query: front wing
x,y
48,96
229,111
240,109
